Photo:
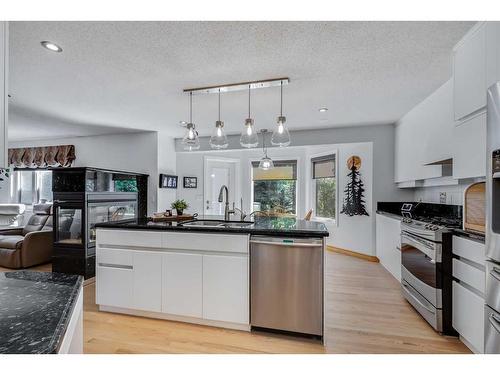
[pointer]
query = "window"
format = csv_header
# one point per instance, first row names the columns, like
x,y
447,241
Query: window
x,y
275,190
31,187
324,186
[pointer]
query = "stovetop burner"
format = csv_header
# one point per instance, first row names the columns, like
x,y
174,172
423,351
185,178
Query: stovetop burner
x,y
441,221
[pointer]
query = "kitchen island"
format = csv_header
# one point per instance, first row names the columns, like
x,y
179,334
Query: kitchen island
x,y
191,273
40,313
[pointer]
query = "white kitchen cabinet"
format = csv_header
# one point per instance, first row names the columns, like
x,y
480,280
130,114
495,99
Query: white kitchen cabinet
x,y
128,278
225,288
388,244
469,148
468,317
147,280
469,72
115,285
182,284
191,277
468,291
469,249
423,135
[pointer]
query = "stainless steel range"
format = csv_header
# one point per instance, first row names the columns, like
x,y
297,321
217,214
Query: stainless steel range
x,y
426,269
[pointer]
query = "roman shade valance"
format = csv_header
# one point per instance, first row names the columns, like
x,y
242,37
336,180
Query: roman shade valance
x,y
42,157
323,166
283,170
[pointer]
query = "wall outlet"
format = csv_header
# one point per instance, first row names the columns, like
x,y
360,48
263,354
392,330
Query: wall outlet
x,y
442,197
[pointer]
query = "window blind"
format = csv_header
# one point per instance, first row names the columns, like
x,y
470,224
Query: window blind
x,y
323,166
283,170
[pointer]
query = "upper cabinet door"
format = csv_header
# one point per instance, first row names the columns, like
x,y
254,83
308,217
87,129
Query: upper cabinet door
x,y
469,72
4,73
469,148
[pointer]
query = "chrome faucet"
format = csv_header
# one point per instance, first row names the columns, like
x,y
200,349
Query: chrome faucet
x,y
227,211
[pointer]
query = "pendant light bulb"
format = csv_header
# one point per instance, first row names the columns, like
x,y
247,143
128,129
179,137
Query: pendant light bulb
x,y
249,138
218,140
281,135
191,141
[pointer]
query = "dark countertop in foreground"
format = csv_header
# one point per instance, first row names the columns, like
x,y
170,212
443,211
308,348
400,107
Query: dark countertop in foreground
x,y
275,226
35,309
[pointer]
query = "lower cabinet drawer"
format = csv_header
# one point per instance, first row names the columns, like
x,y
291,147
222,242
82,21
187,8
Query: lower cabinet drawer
x,y
469,274
114,286
468,316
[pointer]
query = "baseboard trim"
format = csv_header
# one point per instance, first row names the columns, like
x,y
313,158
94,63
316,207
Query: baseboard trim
x,y
178,318
351,253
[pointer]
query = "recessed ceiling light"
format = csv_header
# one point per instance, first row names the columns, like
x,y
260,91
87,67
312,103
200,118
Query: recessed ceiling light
x,y
51,46
323,109
183,123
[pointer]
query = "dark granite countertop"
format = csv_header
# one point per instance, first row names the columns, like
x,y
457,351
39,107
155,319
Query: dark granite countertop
x,y
35,309
276,226
480,237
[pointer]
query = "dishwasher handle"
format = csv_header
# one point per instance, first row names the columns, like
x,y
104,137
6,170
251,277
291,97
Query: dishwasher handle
x,y
288,244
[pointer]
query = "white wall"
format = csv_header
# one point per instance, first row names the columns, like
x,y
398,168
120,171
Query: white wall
x,y
352,233
166,165
137,152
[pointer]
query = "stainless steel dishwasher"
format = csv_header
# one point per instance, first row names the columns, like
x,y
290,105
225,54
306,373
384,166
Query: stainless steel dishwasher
x,y
286,284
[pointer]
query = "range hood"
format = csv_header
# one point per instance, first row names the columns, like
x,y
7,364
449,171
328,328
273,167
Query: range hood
x,y
446,166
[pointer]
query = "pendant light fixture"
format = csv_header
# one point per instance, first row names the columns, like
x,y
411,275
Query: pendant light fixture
x,y
266,163
218,140
191,140
281,136
249,138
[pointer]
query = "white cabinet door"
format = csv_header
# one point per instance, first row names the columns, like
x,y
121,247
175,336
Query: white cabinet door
x,y
469,148
422,136
147,280
468,316
114,286
182,284
469,72
388,244
225,288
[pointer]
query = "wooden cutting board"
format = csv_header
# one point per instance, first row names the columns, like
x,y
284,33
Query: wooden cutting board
x,y
474,207
159,217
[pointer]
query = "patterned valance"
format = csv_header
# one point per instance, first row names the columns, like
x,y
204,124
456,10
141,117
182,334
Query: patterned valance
x,y
42,157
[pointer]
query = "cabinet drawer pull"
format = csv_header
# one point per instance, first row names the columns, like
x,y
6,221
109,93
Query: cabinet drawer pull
x,y
494,322
417,299
122,266
495,272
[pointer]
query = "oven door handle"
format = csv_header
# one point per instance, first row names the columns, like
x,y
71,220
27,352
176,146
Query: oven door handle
x,y
495,272
494,322
417,299
431,253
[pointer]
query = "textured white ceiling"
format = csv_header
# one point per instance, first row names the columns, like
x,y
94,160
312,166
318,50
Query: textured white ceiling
x,y
131,74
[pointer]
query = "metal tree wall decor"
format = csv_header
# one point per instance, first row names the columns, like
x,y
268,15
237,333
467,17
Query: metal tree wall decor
x,y
354,202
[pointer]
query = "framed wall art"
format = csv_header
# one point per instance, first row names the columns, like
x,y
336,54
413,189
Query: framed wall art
x,y
190,182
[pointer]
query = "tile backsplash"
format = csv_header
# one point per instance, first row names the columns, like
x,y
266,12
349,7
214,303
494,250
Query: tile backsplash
x,y
451,194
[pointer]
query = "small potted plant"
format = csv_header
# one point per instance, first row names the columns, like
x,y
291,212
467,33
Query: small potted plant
x,y
179,205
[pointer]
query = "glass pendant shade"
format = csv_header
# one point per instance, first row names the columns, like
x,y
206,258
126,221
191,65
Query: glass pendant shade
x,y
191,140
249,136
281,135
218,140
266,163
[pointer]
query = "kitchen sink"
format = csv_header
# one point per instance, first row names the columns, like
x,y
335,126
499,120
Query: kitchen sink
x,y
216,224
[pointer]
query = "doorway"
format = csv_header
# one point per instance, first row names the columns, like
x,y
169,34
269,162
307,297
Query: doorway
x,y
220,171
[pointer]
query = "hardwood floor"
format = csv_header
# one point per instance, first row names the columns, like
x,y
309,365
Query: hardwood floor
x,y
365,313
